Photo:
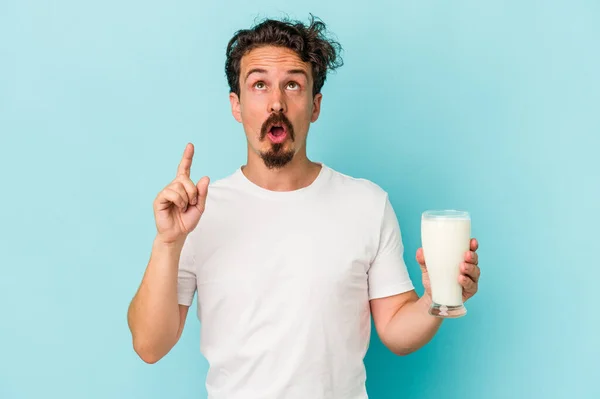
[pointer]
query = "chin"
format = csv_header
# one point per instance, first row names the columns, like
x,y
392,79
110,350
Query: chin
x,y
278,156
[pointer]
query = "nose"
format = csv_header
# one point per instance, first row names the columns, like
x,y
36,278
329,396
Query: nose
x,y
277,103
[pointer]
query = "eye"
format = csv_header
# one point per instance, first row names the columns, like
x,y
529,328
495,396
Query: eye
x,y
260,85
293,86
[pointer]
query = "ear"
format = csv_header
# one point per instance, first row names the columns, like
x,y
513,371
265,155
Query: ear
x,y
316,107
236,109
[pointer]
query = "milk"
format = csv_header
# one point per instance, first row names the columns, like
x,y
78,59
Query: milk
x,y
445,237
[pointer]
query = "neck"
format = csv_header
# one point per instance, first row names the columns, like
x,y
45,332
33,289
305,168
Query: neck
x,y
300,172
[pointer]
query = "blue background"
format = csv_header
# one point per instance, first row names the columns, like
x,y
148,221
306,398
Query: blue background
x,y
491,107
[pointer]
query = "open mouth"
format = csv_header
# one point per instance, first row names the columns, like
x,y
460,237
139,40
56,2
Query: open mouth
x,y
277,133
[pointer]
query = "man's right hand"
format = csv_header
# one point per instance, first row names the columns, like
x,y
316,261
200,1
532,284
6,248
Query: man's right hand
x,y
179,206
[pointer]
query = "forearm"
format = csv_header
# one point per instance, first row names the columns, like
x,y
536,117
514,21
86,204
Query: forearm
x,y
411,327
153,315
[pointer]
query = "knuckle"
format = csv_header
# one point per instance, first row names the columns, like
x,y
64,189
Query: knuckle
x,y
187,185
172,185
178,186
181,179
161,195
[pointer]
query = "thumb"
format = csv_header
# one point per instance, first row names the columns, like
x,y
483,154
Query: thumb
x,y
202,192
421,260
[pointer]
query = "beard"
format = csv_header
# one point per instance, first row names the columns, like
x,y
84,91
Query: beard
x,y
277,157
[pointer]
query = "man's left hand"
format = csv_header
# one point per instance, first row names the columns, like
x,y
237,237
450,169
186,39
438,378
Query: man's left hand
x,y
469,271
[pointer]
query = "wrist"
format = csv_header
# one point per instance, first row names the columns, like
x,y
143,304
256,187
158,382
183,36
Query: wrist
x,y
425,302
163,246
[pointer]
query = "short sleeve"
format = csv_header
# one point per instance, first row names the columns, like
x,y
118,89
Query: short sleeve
x,y
186,275
388,274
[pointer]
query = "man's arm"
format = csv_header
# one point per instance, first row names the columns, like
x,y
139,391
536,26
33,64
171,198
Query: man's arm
x,y
155,318
403,322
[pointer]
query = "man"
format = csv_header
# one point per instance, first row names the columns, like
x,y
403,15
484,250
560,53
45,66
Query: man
x,y
289,258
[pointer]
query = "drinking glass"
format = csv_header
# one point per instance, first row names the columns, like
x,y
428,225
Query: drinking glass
x,y
445,237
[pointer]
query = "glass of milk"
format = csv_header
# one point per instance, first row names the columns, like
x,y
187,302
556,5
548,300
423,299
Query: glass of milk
x,y
445,237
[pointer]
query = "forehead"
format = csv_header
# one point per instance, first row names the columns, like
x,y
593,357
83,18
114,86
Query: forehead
x,y
273,59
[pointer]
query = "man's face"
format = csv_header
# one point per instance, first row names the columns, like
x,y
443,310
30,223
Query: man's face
x,y
276,105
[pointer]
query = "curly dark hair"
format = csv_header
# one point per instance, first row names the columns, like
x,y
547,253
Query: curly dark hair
x,y
308,41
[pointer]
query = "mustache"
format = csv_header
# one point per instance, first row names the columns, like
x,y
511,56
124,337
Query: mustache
x,y
277,119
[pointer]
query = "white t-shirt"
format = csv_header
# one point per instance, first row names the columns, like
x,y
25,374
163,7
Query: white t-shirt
x,y
284,281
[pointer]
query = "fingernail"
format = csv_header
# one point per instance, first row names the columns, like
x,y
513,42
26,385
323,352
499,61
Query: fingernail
x,y
193,201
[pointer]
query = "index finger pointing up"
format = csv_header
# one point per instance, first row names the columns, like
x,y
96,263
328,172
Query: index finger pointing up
x,y
186,161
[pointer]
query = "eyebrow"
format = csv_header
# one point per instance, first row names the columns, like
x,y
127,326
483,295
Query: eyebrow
x,y
255,70
298,72
290,72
